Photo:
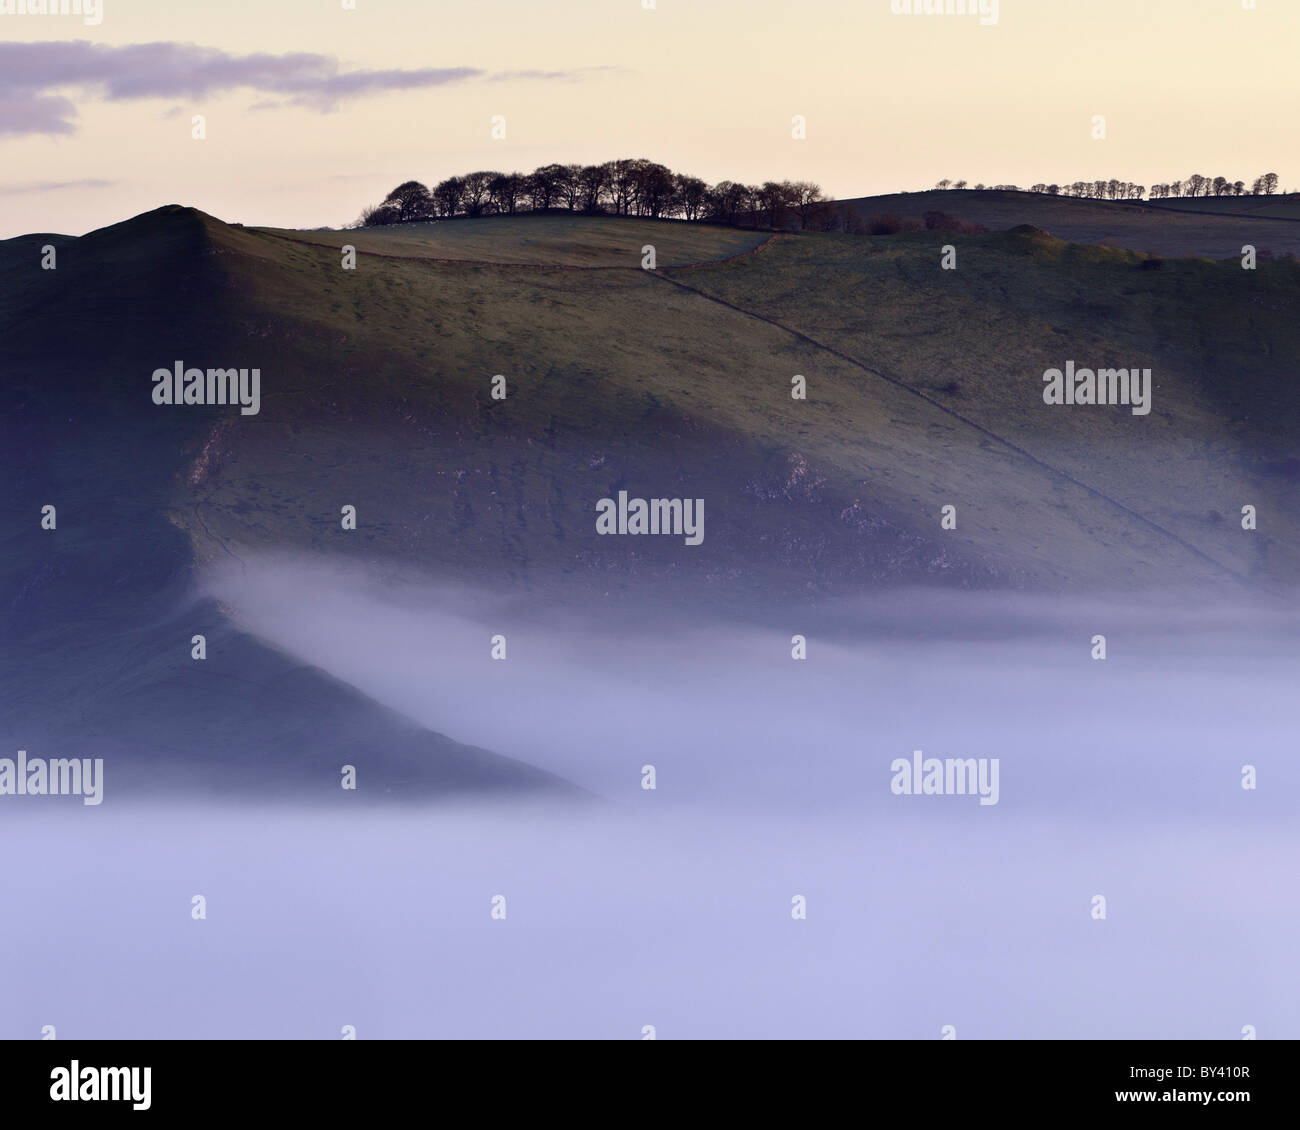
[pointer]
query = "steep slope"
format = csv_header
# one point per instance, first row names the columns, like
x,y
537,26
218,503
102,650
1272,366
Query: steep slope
x,y
925,390
98,614
1165,489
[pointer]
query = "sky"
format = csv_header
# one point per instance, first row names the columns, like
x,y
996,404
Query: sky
x,y
313,110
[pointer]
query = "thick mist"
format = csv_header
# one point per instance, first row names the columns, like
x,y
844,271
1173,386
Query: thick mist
x,y
1187,695
673,907
317,919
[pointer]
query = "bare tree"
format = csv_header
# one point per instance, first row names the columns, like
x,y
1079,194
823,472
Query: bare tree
x,y
692,193
505,190
569,186
544,186
652,186
730,201
593,181
447,195
620,182
773,196
411,201
476,192
806,198
377,216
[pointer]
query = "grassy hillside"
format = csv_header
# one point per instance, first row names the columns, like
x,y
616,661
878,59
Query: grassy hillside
x,y
974,342
558,240
98,615
924,390
1285,206
1156,231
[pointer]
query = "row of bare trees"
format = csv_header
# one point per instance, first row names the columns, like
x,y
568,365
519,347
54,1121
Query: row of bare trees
x,y
628,187
1198,185
1195,185
637,187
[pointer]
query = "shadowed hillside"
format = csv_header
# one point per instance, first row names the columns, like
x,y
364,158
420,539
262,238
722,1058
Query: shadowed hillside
x,y
553,240
98,614
924,390
1157,229
1285,206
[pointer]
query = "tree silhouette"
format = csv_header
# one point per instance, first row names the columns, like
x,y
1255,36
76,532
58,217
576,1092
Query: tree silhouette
x,y
411,201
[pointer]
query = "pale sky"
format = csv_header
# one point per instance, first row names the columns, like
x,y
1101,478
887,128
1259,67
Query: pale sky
x,y
95,126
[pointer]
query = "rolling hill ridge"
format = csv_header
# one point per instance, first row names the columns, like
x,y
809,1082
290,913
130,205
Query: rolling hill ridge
x,y
924,391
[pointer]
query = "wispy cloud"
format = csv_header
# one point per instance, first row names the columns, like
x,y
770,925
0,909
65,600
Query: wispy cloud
x,y
29,112
53,185
562,76
33,77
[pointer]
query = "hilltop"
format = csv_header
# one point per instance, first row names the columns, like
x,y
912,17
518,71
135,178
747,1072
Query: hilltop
x,y
1174,228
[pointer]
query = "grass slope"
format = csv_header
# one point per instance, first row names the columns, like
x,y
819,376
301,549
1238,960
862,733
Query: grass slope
x,y
556,240
97,616
925,391
1159,231
1285,206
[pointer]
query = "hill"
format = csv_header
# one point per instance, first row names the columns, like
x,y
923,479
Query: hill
x,y
924,391
1161,230
98,614
1285,206
540,240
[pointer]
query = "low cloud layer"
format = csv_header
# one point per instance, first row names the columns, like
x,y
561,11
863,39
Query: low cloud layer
x,y
771,885
639,916
34,78
1186,697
